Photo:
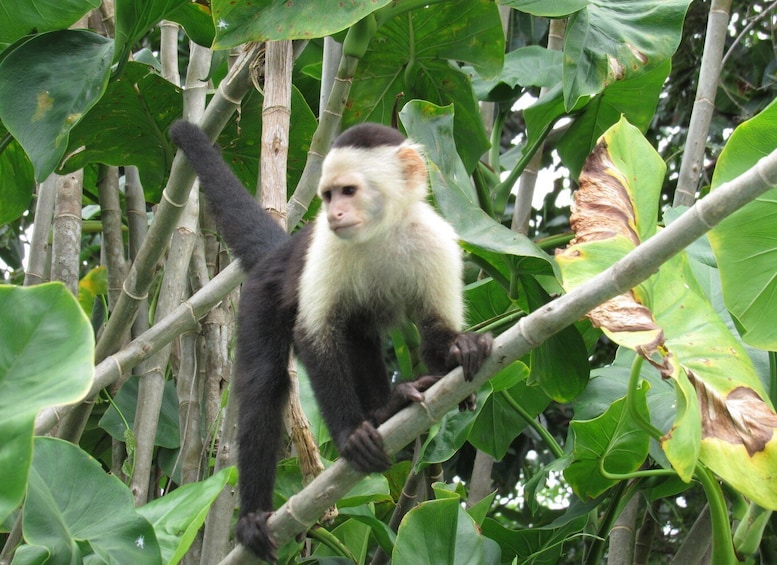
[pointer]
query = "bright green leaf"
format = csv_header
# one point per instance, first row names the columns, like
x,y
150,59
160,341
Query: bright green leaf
x,y
554,9
75,509
47,85
745,243
38,16
432,126
670,322
134,19
46,359
178,516
682,443
610,40
479,510
439,531
17,182
241,21
612,441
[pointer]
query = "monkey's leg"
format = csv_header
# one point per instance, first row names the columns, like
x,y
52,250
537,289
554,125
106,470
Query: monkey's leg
x,y
262,386
403,394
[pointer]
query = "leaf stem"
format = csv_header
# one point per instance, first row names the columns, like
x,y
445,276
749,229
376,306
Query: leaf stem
x,y
722,542
328,539
547,437
643,474
631,400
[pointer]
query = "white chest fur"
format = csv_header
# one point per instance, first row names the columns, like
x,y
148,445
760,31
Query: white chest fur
x,y
415,269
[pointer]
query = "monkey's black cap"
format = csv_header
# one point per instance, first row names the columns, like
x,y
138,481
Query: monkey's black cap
x,y
368,135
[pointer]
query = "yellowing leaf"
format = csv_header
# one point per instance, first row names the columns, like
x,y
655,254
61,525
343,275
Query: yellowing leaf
x,y
723,415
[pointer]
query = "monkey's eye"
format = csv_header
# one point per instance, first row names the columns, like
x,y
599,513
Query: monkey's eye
x,y
326,195
349,190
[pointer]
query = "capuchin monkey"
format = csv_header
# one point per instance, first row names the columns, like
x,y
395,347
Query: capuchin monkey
x,y
376,253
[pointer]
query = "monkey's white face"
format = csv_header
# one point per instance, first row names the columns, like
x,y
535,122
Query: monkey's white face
x,y
367,192
353,207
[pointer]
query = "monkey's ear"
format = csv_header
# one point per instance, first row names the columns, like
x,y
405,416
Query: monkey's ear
x,y
412,164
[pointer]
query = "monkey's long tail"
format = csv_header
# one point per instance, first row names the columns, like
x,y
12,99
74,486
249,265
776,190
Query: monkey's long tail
x,y
247,228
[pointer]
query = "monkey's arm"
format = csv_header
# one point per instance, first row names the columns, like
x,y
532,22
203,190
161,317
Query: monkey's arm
x,y
350,381
470,349
443,348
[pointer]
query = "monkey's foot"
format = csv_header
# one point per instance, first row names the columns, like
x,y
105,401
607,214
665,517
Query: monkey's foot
x,y
253,532
402,395
470,350
364,450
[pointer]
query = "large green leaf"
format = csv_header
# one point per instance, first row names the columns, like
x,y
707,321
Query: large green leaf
x,y
535,545
177,516
526,66
122,414
263,20
128,126
410,57
612,442
498,423
559,365
440,531
47,85
553,9
134,19
722,410
46,358
609,384
610,40
432,126
38,16
17,182
80,513
634,98
745,243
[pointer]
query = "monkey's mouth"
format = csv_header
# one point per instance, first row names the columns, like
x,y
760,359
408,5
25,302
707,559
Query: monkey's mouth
x,y
345,230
